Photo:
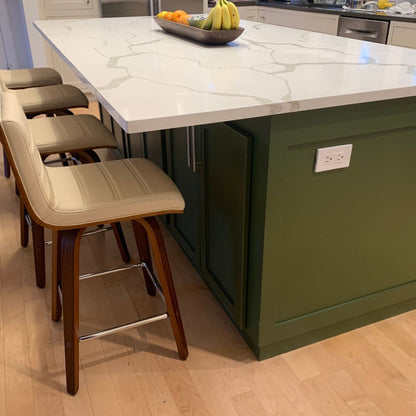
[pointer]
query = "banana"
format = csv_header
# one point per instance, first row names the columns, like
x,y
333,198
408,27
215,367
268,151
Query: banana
x,y
207,25
225,16
235,17
217,17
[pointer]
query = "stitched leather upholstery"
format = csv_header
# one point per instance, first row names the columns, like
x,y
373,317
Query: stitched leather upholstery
x,y
39,100
70,133
30,77
76,196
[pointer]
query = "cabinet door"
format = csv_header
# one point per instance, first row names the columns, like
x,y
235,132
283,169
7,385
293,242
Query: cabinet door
x,y
315,22
226,192
184,227
68,4
402,34
248,13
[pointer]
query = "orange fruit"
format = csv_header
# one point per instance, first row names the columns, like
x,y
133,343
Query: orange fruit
x,y
183,19
168,16
177,14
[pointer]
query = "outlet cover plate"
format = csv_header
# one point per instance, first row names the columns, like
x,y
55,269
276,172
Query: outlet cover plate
x,y
334,157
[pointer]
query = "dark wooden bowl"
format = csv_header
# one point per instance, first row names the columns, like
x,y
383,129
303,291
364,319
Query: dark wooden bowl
x,y
210,37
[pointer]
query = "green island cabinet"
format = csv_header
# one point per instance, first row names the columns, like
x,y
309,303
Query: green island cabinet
x,y
295,256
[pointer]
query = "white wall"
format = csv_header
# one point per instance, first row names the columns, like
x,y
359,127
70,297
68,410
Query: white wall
x,y
32,12
16,50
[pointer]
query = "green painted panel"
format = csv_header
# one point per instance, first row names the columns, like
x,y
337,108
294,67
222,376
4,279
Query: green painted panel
x,y
259,130
334,321
337,237
226,185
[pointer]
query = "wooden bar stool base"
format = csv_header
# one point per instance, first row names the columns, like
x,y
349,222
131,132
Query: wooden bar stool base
x,y
66,244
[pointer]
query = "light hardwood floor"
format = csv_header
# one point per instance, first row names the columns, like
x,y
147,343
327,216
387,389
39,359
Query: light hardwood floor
x,y
369,371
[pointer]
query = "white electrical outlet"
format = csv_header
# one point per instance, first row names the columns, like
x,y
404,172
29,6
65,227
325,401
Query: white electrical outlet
x,y
334,157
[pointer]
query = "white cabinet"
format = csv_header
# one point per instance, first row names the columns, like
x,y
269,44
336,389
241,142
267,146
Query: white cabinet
x,y
315,22
402,34
55,5
248,13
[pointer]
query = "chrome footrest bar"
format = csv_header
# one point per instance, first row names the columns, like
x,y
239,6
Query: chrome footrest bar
x,y
28,220
113,330
111,271
154,280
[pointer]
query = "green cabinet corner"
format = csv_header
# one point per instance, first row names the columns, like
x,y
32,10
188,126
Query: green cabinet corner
x,y
295,256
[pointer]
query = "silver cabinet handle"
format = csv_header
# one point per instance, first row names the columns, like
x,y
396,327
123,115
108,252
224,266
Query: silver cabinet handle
x,y
364,33
193,142
188,146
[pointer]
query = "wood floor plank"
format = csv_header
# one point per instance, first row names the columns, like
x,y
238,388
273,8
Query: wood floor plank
x,y
2,358
248,404
44,371
363,406
302,364
388,348
371,374
324,399
285,382
18,382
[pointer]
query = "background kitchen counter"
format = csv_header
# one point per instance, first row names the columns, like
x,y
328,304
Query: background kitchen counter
x,y
338,10
324,8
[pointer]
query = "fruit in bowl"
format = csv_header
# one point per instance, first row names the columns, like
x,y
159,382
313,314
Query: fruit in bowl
x,y
178,16
224,16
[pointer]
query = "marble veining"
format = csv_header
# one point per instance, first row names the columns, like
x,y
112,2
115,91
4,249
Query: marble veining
x,y
149,80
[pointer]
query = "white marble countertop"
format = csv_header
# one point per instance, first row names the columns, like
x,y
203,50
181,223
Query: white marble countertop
x,y
149,80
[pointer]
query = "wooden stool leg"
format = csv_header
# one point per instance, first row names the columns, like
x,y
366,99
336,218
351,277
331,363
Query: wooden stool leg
x,y
142,243
165,277
24,228
6,165
56,276
121,241
38,236
69,271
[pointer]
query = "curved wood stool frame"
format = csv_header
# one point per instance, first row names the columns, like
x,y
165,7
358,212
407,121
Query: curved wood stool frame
x,y
65,275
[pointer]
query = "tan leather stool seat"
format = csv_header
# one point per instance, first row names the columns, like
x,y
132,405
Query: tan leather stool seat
x,y
30,77
51,98
70,134
98,193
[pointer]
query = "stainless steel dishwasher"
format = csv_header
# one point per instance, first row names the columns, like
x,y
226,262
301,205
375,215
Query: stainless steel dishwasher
x,y
363,29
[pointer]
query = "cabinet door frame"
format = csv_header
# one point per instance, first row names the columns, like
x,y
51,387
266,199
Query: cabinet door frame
x,y
236,307
68,4
402,34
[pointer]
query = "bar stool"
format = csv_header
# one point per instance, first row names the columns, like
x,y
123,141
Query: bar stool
x,y
50,100
78,135
30,77
128,189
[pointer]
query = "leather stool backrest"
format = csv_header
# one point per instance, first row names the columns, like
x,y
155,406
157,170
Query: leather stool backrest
x,y
29,169
3,87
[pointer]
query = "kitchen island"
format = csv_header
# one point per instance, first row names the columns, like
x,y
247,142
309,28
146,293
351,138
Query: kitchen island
x,y
292,255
